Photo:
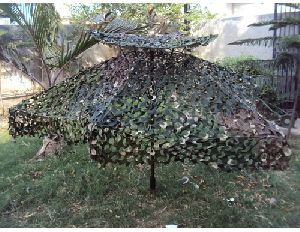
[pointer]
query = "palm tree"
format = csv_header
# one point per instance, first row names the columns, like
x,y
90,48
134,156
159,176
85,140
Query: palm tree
x,y
41,22
287,55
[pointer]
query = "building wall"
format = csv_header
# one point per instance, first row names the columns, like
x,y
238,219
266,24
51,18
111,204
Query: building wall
x,y
97,54
230,29
14,87
14,82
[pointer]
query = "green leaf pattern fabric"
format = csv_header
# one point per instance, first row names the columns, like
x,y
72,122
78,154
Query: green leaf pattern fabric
x,y
155,101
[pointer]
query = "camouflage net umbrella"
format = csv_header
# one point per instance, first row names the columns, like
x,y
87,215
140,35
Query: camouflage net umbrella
x,y
155,104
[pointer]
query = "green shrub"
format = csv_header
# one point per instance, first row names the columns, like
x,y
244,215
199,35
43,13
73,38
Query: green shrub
x,y
244,64
268,94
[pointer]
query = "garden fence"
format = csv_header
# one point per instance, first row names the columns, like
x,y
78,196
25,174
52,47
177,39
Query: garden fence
x,y
284,78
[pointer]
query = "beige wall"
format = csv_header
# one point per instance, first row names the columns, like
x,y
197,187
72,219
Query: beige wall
x,y
13,82
97,54
230,30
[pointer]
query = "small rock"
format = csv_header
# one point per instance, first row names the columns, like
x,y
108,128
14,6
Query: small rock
x,y
272,200
196,186
231,199
185,180
231,202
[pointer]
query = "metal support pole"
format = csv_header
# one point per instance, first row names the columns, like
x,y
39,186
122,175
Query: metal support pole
x,y
153,104
152,175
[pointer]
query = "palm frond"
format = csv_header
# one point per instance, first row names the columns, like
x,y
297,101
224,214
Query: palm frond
x,y
265,41
86,40
277,23
67,54
12,57
40,21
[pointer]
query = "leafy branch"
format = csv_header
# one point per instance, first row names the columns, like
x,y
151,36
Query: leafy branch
x,y
265,41
277,23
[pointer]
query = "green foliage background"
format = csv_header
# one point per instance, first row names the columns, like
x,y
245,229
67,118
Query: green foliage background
x,y
172,13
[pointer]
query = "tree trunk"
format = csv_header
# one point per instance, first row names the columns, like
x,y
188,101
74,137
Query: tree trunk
x,y
51,145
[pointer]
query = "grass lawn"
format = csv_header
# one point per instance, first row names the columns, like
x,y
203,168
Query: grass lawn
x,y
70,190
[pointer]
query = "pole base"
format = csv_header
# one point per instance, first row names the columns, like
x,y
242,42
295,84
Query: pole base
x,y
152,183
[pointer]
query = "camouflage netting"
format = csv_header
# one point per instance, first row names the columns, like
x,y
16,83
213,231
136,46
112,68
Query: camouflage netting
x,y
159,103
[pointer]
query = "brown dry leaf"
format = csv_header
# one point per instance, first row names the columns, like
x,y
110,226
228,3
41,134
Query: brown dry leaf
x,y
36,174
77,206
28,215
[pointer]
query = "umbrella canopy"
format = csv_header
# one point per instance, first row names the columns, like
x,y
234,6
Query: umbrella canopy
x,y
154,103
